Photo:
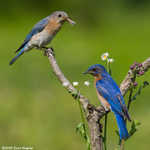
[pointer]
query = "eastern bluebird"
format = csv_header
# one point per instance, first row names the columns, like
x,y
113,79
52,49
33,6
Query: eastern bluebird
x,y
43,32
110,96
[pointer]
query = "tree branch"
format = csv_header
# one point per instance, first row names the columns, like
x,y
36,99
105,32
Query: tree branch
x,y
126,83
93,114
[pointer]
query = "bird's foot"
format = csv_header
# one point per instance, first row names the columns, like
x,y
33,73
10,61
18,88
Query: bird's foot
x,y
48,50
37,47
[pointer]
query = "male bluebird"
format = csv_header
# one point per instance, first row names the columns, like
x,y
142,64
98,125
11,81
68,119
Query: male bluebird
x,y
110,96
43,32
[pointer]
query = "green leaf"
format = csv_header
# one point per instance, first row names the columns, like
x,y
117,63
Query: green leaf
x,y
119,141
145,84
117,132
82,131
88,143
134,127
139,90
137,123
78,127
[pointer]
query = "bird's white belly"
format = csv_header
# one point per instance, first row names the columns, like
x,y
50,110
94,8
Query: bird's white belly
x,y
40,39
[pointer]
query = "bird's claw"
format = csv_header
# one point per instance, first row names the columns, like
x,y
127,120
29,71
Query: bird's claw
x,y
52,52
49,51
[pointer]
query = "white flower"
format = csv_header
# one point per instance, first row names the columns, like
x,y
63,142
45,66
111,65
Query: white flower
x,y
104,56
65,84
75,83
86,83
110,60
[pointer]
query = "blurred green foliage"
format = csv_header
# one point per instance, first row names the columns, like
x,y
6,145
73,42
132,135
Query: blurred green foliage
x,y
35,109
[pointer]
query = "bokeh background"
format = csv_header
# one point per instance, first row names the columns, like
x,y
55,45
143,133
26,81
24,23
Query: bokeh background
x,y
34,108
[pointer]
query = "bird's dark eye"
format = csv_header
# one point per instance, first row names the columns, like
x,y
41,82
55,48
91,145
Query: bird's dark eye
x,y
94,69
59,15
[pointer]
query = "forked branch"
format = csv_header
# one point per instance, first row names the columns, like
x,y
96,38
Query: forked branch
x,y
93,114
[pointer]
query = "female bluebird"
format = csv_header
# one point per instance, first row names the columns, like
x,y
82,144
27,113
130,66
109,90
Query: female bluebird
x,y
110,96
43,32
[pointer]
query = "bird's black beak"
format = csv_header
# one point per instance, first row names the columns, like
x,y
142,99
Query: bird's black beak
x,y
86,72
71,21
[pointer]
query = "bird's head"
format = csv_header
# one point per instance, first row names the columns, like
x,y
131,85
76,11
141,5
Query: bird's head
x,y
96,70
61,17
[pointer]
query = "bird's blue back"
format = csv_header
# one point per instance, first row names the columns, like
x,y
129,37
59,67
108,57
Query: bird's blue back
x,y
36,29
108,88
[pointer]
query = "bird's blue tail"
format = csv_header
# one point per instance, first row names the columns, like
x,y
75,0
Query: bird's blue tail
x,y
123,132
16,57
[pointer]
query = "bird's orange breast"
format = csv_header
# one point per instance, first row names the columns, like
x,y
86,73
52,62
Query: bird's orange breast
x,y
103,101
52,27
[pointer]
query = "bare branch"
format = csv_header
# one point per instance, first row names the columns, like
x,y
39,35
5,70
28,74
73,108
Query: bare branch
x,y
93,115
126,83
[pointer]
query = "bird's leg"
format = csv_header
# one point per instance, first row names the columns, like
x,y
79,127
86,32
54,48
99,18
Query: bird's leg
x,y
37,47
47,49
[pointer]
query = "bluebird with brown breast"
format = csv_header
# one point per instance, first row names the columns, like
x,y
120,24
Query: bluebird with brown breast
x,y
42,33
110,96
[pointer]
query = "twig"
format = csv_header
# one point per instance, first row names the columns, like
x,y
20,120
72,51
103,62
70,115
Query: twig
x,y
122,145
130,99
131,91
126,83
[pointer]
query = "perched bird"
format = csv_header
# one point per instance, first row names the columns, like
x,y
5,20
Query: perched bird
x,y
43,32
110,96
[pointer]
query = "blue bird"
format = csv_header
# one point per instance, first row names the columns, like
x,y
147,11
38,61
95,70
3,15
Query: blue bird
x,y
42,33
110,97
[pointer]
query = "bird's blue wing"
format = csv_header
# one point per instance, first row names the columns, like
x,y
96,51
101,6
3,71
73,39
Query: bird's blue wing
x,y
36,29
119,97
112,94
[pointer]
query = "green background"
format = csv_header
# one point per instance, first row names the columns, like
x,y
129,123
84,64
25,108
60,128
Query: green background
x,y
34,108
